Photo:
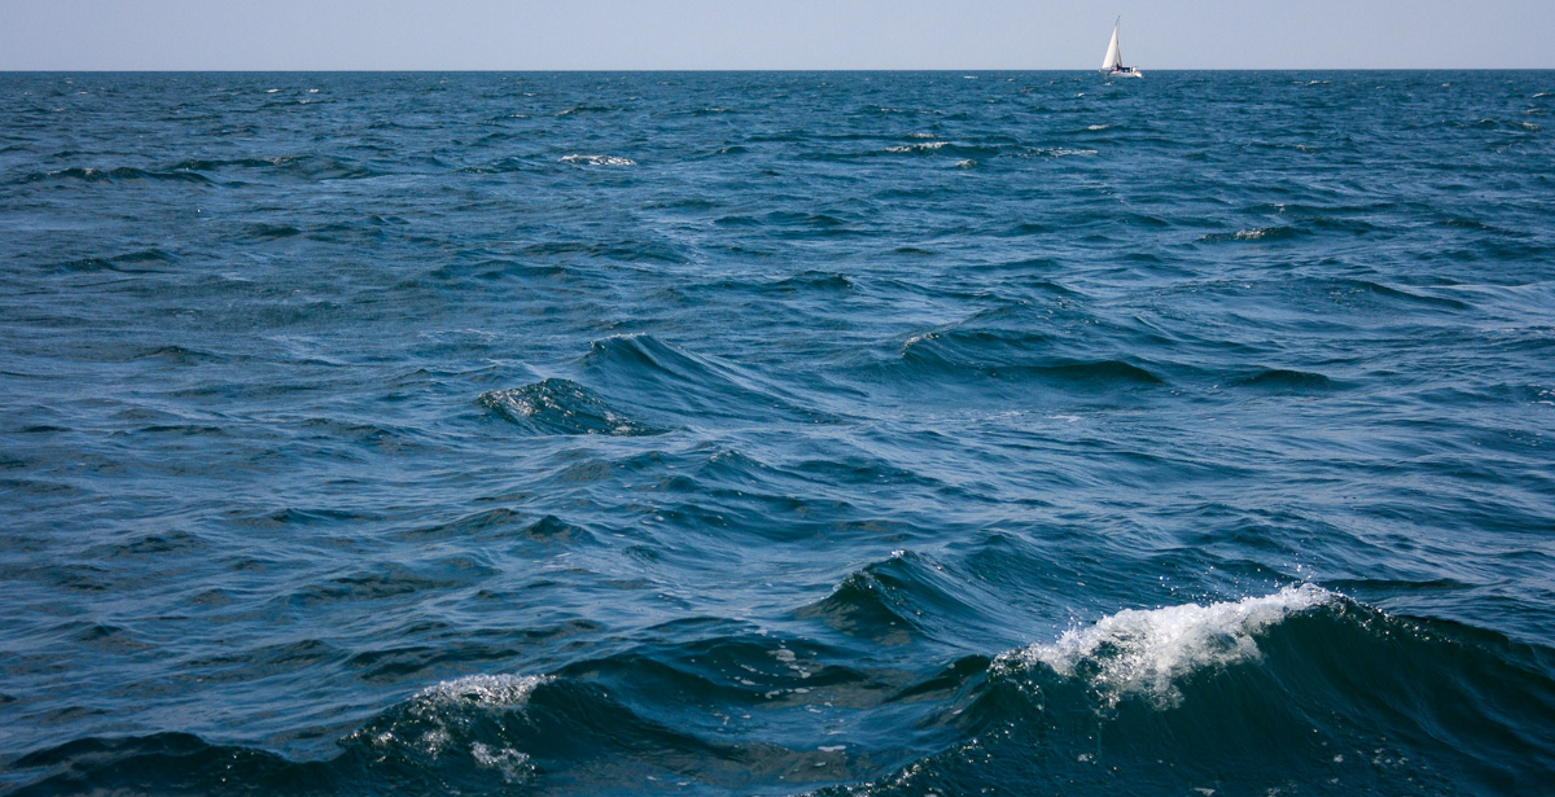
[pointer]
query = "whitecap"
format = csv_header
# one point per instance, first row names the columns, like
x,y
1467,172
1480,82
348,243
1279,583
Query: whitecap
x,y
437,714
480,691
928,146
1143,652
598,160
1253,234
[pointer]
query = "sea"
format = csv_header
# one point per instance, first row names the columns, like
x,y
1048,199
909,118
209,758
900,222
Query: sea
x,y
846,434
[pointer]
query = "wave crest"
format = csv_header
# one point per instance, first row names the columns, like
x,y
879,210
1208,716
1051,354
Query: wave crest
x,y
598,160
478,691
1145,652
444,714
561,406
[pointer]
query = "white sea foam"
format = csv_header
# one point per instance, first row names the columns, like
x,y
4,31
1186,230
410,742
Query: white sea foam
x,y
528,402
929,146
598,160
1144,652
481,691
1254,234
511,763
439,711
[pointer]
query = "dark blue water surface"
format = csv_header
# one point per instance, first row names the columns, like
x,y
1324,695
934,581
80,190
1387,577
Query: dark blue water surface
x,y
777,433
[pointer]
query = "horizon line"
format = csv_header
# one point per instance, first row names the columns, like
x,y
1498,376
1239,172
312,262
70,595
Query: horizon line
x,y
602,70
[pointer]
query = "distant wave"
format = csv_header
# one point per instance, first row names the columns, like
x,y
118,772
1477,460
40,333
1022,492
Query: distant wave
x,y
598,160
694,386
1253,234
1281,379
118,175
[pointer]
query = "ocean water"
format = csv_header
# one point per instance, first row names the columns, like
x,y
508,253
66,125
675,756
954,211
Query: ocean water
x,y
778,433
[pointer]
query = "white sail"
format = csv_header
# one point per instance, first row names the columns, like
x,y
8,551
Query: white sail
x,y
1114,57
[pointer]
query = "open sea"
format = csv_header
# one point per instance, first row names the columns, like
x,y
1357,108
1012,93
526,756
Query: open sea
x,y
835,434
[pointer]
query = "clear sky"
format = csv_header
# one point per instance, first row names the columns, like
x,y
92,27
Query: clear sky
x,y
772,34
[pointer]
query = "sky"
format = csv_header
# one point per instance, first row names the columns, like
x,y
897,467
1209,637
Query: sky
x,y
771,34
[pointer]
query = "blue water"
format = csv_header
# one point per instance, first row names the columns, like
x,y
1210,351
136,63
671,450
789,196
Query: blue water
x,y
777,433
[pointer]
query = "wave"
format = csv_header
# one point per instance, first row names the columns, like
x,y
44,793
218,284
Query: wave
x,y
816,280
317,167
219,164
921,147
1260,234
128,263
889,602
1017,356
1282,380
428,722
598,160
1301,689
501,166
561,406
498,524
627,251
820,225
1146,652
1392,293
960,151
119,174
696,387
577,110
308,167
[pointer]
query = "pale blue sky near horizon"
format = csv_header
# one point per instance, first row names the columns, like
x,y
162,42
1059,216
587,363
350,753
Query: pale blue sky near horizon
x,y
770,34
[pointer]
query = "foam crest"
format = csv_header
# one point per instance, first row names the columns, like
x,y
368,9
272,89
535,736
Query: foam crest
x,y
443,715
930,146
480,691
1144,652
598,160
1253,234
561,406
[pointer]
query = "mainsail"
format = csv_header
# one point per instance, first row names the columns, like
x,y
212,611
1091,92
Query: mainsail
x,y
1114,59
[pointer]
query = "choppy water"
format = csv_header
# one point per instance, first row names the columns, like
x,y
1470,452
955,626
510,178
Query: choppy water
x,y
870,434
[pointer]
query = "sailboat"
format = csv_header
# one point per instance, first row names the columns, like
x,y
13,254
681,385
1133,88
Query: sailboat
x,y
1112,65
